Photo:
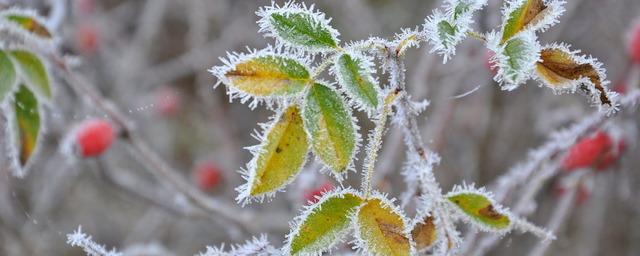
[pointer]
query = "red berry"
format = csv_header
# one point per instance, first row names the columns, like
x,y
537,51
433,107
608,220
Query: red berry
x,y
489,63
311,196
634,43
207,175
587,152
87,39
167,101
611,157
93,137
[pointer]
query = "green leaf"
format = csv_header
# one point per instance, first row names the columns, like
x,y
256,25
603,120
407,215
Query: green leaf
x,y
460,8
7,76
27,116
32,71
480,210
267,75
30,24
299,26
281,155
330,126
381,229
357,81
446,32
521,17
325,224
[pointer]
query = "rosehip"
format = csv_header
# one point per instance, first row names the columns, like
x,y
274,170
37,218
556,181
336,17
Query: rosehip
x,y
634,43
207,175
611,156
489,63
93,137
167,101
311,195
587,152
87,39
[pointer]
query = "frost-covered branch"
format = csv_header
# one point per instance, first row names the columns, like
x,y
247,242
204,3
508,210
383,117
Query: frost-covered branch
x,y
84,241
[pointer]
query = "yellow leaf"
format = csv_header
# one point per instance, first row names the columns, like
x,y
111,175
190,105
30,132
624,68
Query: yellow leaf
x,y
382,230
268,75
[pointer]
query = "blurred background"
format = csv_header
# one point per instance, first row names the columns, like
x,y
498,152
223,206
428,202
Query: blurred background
x,y
150,57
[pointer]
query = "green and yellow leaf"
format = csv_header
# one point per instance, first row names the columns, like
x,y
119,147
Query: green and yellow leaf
x,y
381,229
32,71
266,75
298,26
7,76
356,80
331,127
480,210
280,156
30,24
28,127
561,69
324,224
530,14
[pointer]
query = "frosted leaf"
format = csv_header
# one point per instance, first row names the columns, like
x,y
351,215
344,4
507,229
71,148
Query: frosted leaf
x,y
562,69
27,26
269,74
33,72
278,159
515,59
24,129
8,77
533,15
324,224
382,229
296,25
445,30
354,73
477,207
331,127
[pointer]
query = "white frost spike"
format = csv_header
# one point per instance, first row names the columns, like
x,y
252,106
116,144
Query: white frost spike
x,y
234,58
91,248
249,172
573,85
318,18
309,209
359,243
550,15
258,246
511,73
464,188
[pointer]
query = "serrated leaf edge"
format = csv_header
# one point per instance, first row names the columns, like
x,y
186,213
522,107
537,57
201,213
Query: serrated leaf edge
x,y
555,9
